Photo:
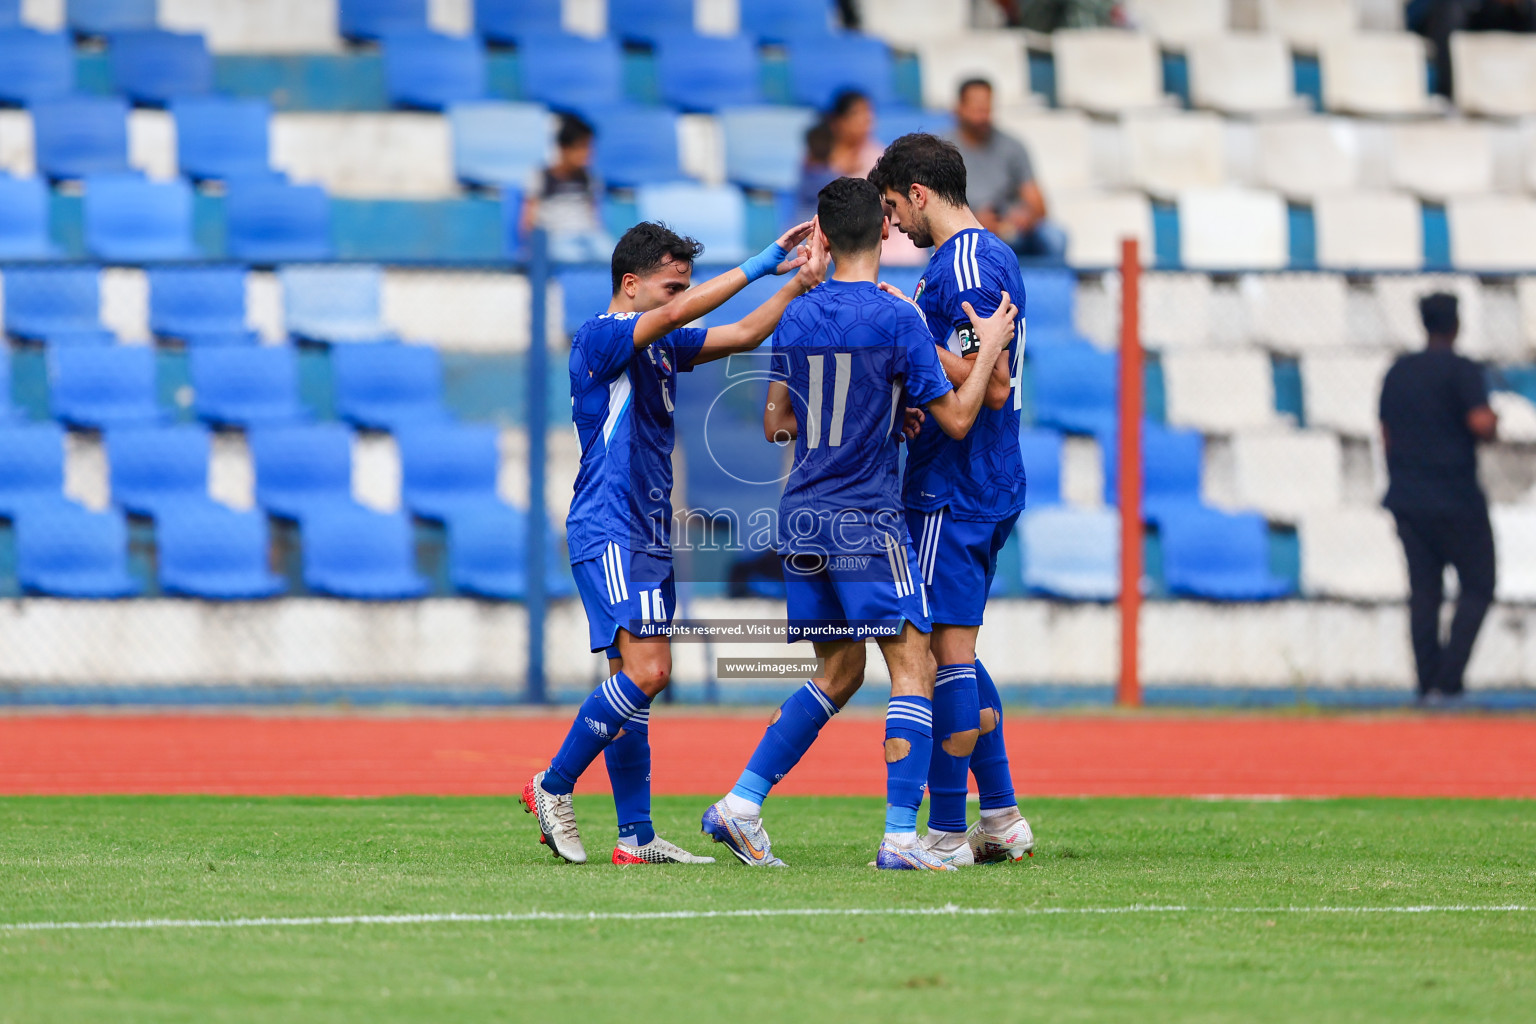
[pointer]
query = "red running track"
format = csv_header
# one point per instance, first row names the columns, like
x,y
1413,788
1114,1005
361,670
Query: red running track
x,y
702,754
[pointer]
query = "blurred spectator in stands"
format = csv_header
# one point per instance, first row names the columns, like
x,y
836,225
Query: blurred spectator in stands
x,y
845,135
1050,15
1437,19
1434,411
1000,179
566,199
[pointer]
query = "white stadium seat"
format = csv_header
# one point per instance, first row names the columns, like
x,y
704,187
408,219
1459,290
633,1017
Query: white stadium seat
x,y
999,57
1241,73
1217,391
395,155
1525,294
1340,391
1308,24
1397,303
1375,73
1286,474
1296,313
1107,70
1175,310
1352,554
482,312
256,26
1517,417
1302,157
1175,22
1232,229
1514,545
1443,158
1059,143
1493,233
1495,73
1168,151
1096,222
910,23
1368,231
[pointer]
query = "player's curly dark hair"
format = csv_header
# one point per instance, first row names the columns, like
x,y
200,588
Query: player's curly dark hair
x,y
647,246
850,212
922,159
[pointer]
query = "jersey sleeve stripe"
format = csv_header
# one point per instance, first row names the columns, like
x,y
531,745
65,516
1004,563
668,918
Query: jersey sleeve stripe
x,y
618,401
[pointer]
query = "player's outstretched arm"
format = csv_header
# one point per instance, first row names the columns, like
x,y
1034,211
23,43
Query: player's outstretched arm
x,y
956,411
749,332
779,424
784,255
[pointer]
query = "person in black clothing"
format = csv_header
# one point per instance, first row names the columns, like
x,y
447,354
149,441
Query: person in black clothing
x,y
1434,411
1437,20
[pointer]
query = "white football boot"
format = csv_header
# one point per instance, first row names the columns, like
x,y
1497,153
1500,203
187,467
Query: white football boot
x,y
991,844
952,848
657,851
557,821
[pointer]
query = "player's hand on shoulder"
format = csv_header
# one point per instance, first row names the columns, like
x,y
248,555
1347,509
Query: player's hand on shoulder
x,y
793,242
996,330
912,423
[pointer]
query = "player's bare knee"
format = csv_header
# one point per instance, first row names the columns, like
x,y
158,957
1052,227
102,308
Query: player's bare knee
x,y
896,748
651,677
988,720
960,744
773,719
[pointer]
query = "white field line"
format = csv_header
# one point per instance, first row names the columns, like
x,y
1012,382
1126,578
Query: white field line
x,y
702,915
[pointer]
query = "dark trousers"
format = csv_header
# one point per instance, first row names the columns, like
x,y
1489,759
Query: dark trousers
x,y
1433,540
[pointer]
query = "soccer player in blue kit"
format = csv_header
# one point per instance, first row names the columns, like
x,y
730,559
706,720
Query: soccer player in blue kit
x,y
963,495
848,359
624,366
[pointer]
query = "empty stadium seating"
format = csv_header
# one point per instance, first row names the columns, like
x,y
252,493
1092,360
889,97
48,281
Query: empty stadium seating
x,y
432,71
388,386
246,387
302,468
66,550
222,138
192,303
487,554
1072,553
351,551
499,144
157,469
333,304
24,211
31,465
154,67
101,387
131,220
447,468
1218,555
213,552
38,65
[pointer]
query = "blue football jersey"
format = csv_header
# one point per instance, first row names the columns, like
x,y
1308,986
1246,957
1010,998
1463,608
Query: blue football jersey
x,y
622,401
853,357
980,477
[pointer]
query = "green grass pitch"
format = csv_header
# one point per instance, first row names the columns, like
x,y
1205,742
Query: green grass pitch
x,y
127,858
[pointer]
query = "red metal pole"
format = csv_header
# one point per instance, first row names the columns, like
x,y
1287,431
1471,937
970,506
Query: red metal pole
x,y
1128,693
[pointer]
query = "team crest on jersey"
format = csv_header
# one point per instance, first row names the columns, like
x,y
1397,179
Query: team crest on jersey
x,y
918,295
666,364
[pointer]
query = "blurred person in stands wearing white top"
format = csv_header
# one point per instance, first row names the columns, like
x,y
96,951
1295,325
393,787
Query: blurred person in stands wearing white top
x,y
1002,191
1434,411
565,199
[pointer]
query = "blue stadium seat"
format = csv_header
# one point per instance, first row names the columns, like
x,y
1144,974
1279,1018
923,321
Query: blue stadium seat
x,y
635,145
1218,555
499,144
372,19
220,137
207,550
731,472
429,71
508,21
101,17
649,22
738,305
714,214
778,21
447,466
351,551
79,135
706,73
330,304
8,413
892,123
246,386
10,12
155,67
585,292
24,219
765,146
1072,553
44,301
1075,387
129,219
31,465
302,468
820,67
388,386
1041,453
488,552
68,551
189,301
101,387
569,72
270,221
158,468
1171,462
1050,303
37,65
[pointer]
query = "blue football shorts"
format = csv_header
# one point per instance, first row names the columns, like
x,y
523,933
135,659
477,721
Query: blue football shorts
x,y
855,597
624,590
957,559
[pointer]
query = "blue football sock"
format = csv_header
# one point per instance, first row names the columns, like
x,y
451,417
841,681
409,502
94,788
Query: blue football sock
x,y
908,749
629,773
785,742
598,721
955,709
989,761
